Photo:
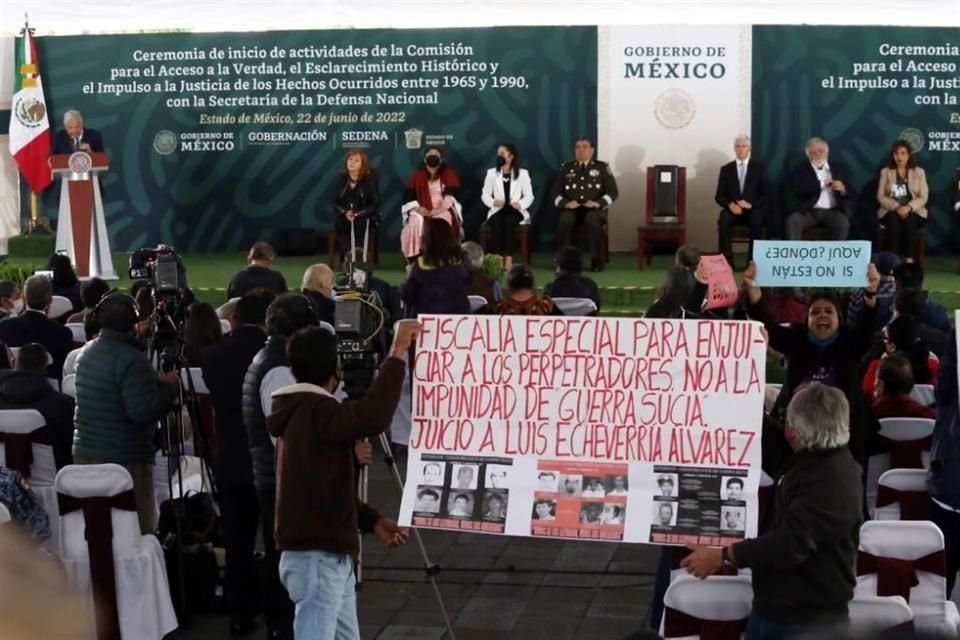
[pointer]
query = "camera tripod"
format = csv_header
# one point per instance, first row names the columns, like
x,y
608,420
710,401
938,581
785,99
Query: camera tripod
x,y
431,569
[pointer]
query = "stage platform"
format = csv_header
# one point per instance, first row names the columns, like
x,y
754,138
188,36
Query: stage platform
x,y
625,290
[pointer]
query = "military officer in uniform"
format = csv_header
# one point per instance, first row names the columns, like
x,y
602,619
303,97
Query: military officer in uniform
x,y
583,189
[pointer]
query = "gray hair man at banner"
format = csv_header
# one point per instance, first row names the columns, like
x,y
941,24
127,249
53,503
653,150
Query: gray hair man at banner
x,y
802,561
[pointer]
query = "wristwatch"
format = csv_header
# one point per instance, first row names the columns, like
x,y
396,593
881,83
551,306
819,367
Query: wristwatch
x,y
727,564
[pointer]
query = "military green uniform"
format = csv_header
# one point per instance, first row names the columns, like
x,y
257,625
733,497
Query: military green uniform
x,y
582,182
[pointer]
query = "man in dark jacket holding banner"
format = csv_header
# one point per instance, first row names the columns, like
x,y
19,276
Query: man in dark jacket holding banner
x,y
802,562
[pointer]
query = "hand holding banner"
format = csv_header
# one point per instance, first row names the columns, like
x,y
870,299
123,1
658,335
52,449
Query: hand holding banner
x,y
789,263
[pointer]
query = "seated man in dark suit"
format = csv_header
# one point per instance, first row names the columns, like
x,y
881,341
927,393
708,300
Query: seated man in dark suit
x,y
26,387
318,281
569,283
34,326
257,274
224,366
822,189
742,191
74,137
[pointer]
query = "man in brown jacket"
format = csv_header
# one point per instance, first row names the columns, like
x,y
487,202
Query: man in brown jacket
x,y
318,513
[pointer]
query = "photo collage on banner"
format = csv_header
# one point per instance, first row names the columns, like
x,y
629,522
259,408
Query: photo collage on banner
x,y
462,492
703,506
634,430
580,500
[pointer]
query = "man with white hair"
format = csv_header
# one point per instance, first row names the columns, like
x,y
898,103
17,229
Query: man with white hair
x,y
317,286
75,137
802,562
822,189
742,190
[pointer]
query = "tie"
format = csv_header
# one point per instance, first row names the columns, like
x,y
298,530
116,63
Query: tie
x,y
76,143
741,170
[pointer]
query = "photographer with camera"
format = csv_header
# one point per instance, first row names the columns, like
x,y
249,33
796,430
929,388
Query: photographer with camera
x,y
317,521
120,400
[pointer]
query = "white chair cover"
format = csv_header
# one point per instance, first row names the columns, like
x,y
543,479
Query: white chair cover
x,y
914,480
872,614
895,429
79,335
327,326
576,306
911,540
143,592
770,394
719,598
69,385
43,469
476,302
59,307
924,394
193,375
4,514
70,363
225,327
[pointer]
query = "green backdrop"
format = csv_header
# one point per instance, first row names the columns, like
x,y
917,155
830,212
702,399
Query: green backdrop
x,y
790,104
216,200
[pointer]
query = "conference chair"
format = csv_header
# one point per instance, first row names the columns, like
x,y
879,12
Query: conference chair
x,y
79,335
68,386
523,239
876,614
225,327
902,495
26,446
906,559
716,608
107,560
904,444
666,210
476,302
4,514
59,308
920,242
576,306
925,394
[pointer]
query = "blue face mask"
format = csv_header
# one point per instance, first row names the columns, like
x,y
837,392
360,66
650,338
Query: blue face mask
x,y
817,342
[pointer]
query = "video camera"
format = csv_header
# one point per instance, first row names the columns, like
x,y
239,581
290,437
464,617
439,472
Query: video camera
x,y
163,269
359,322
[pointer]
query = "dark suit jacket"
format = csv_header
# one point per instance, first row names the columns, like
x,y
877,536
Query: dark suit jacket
x,y
806,187
34,326
29,390
756,187
62,143
224,365
254,277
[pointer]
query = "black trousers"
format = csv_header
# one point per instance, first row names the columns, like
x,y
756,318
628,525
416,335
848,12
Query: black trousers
x,y
949,524
277,606
901,233
591,219
239,515
342,227
503,231
725,224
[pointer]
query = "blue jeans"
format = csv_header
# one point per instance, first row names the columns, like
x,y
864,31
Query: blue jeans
x,y
322,586
759,628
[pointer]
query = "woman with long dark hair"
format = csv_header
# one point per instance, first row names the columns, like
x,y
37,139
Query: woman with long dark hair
x,y
65,282
439,277
902,194
431,193
356,202
202,329
508,194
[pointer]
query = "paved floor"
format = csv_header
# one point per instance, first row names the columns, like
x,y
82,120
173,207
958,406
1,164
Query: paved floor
x,y
493,587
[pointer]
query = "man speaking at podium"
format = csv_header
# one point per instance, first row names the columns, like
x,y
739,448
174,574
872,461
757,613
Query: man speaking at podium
x,y
73,137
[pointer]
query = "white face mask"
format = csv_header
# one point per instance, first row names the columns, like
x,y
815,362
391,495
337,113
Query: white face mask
x,y
18,305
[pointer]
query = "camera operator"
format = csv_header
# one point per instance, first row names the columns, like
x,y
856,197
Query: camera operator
x,y
120,399
317,520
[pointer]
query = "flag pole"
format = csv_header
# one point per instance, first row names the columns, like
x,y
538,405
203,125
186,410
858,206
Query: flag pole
x,y
34,213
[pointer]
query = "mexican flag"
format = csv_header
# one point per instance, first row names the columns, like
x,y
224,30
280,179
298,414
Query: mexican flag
x,y
29,124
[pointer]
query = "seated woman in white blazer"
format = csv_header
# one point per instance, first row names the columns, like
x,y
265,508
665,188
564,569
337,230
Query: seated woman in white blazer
x,y
508,194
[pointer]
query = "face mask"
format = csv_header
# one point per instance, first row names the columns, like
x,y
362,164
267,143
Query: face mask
x,y
501,161
18,305
433,161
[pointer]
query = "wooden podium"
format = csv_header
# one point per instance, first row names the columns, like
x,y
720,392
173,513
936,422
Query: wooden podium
x,y
81,225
